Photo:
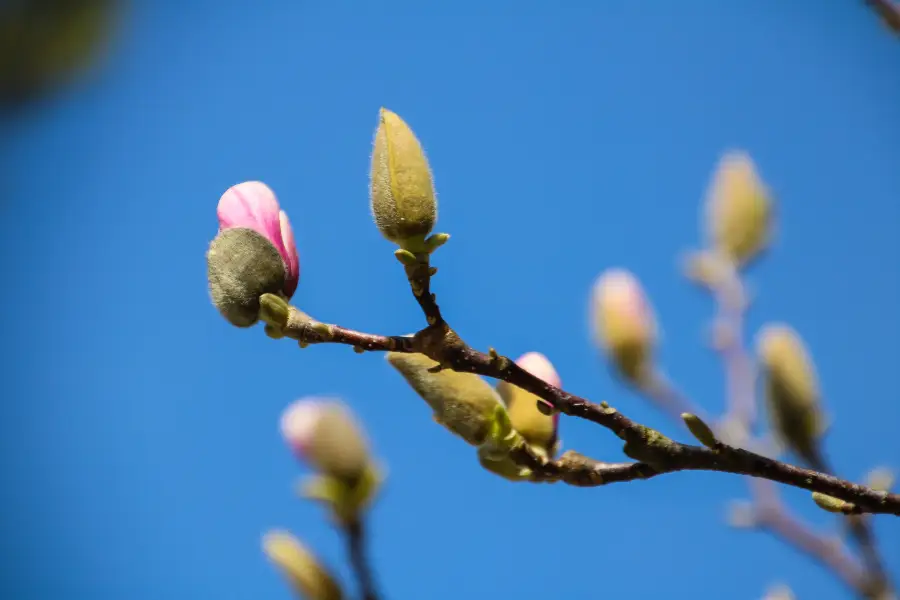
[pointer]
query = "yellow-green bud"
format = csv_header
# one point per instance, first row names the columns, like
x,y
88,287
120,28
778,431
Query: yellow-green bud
x,y
464,403
401,190
832,504
700,430
624,325
538,429
792,391
306,575
739,211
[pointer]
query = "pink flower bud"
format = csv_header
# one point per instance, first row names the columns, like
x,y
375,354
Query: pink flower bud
x,y
540,366
324,433
624,323
253,205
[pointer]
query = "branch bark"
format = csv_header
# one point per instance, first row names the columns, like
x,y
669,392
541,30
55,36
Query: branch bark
x,y
356,548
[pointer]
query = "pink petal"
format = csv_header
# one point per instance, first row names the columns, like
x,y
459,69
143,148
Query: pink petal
x,y
291,258
538,365
299,422
252,204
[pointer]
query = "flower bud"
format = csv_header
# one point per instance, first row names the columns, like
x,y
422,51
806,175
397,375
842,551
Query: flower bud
x,y
538,429
464,403
791,390
242,266
253,205
700,430
738,209
324,433
306,575
624,325
401,191
780,592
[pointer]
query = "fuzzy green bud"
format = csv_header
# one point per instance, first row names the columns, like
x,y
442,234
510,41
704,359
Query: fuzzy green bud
x,y
242,265
306,575
832,504
402,195
738,209
464,403
700,430
792,391
538,428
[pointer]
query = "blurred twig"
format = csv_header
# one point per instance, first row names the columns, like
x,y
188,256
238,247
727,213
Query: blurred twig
x,y
889,11
356,548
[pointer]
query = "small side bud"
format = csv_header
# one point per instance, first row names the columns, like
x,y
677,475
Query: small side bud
x,y
463,403
832,504
306,575
792,391
700,430
324,433
402,194
242,265
624,324
436,241
405,257
738,209
274,310
504,467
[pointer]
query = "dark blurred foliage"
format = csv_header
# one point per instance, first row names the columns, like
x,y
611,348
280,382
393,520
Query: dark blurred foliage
x,y
47,44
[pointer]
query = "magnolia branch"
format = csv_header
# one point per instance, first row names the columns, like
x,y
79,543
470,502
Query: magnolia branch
x,y
656,454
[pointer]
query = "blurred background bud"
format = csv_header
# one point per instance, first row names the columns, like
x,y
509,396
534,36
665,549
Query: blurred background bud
x,y
324,433
881,479
792,392
738,209
624,324
462,402
538,429
48,43
253,205
401,191
779,592
306,575
741,515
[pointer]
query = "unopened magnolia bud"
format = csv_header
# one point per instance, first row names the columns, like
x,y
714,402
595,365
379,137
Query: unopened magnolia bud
x,y
792,391
700,430
242,265
738,209
323,432
505,467
624,325
464,403
304,572
538,429
402,193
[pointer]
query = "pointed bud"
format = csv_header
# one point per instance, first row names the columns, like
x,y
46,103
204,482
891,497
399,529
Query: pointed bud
x,y
253,205
700,430
624,325
401,191
738,209
462,402
242,265
538,429
791,390
832,504
324,433
306,575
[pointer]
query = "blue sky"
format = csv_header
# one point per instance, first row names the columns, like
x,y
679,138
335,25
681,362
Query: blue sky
x,y
140,450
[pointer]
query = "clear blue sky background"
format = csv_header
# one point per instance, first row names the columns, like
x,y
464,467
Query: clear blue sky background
x,y
140,450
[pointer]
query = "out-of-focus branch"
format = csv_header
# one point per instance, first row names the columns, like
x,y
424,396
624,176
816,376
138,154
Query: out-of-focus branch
x,y
769,512
356,548
889,11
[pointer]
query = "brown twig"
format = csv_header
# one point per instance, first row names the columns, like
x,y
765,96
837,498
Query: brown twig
x,y
356,548
769,512
889,12
659,453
